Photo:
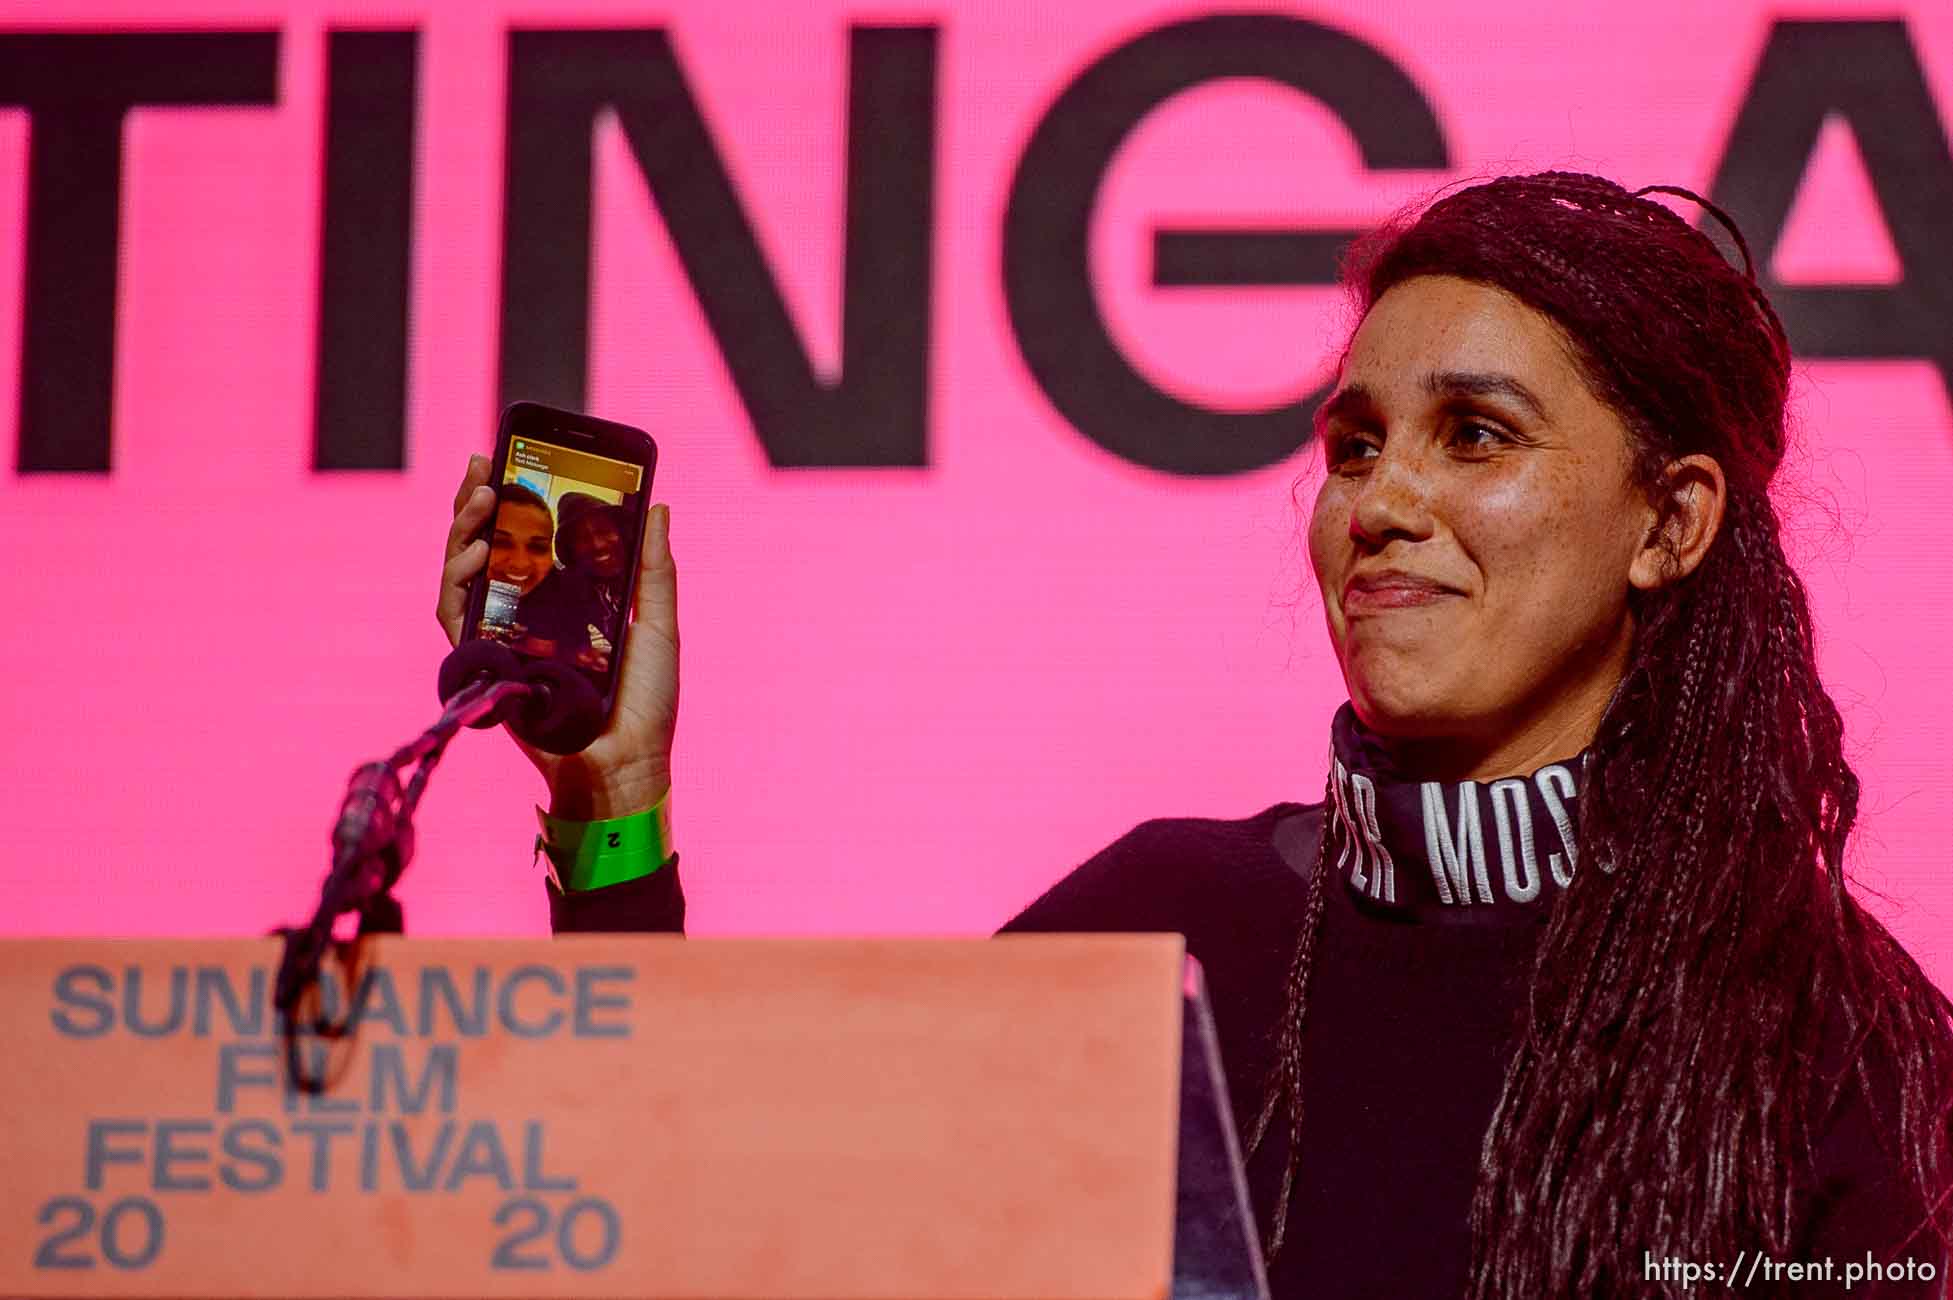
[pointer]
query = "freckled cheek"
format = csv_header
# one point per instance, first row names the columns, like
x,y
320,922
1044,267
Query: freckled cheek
x,y
1541,547
1329,547
1512,514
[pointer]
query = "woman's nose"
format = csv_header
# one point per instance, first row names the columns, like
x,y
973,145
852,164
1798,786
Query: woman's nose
x,y
1394,500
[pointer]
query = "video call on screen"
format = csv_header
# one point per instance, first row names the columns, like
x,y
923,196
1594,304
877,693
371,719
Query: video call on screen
x,y
560,553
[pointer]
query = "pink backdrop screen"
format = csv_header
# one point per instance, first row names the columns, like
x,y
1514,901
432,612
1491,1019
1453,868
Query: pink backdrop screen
x,y
913,696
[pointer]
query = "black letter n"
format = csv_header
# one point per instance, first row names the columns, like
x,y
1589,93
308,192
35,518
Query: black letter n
x,y
874,412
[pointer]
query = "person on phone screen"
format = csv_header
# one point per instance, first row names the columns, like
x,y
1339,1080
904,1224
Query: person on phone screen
x,y
1560,988
590,540
535,607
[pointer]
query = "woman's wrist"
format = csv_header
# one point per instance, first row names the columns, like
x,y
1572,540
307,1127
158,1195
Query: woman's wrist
x,y
590,856
580,792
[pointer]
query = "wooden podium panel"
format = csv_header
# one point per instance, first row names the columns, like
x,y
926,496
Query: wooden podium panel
x,y
596,1115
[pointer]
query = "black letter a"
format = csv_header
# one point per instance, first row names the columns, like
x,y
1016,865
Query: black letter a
x,y
1867,73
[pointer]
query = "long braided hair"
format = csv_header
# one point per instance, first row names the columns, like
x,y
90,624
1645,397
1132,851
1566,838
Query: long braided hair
x,y
1707,988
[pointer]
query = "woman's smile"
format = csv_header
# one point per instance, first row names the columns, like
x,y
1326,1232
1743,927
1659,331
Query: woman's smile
x,y
1385,590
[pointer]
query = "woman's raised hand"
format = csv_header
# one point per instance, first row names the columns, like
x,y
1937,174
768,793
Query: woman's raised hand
x,y
628,768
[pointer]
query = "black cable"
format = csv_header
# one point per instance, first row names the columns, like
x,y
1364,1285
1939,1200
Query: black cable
x,y
373,842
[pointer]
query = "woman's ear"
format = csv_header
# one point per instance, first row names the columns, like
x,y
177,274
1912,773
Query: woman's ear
x,y
1689,507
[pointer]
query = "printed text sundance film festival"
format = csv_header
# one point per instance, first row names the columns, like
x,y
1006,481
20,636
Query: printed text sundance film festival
x,y
980,348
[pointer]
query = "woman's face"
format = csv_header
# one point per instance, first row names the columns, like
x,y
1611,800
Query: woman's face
x,y
520,551
1474,532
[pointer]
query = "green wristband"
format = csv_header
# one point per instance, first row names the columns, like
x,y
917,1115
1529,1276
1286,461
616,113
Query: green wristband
x,y
589,855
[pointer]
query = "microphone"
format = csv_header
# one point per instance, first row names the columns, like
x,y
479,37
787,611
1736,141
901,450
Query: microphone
x,y
563,712
482,682
560,712
481,662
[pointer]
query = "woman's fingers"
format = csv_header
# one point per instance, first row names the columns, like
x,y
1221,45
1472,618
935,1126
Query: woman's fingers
x,y
472,513
647,701
477,476
465,553
456,575
657,579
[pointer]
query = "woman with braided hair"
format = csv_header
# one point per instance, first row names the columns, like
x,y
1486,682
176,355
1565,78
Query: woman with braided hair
x,y
1560,990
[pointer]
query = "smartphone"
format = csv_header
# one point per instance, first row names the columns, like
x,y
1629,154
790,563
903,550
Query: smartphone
x,y
564,541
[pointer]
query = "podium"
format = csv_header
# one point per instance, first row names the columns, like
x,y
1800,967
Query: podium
x,y
647,1116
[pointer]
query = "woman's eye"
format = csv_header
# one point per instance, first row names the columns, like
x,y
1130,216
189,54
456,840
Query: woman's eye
x,y
1353,446
1478,434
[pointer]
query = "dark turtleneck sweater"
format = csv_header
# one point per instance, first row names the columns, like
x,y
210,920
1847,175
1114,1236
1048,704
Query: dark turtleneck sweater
x,y
1418,974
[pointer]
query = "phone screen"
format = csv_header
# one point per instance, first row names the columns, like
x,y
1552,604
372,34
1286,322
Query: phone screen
x,y
560,556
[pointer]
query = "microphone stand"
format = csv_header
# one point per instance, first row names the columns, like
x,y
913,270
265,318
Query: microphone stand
x,y
371,845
